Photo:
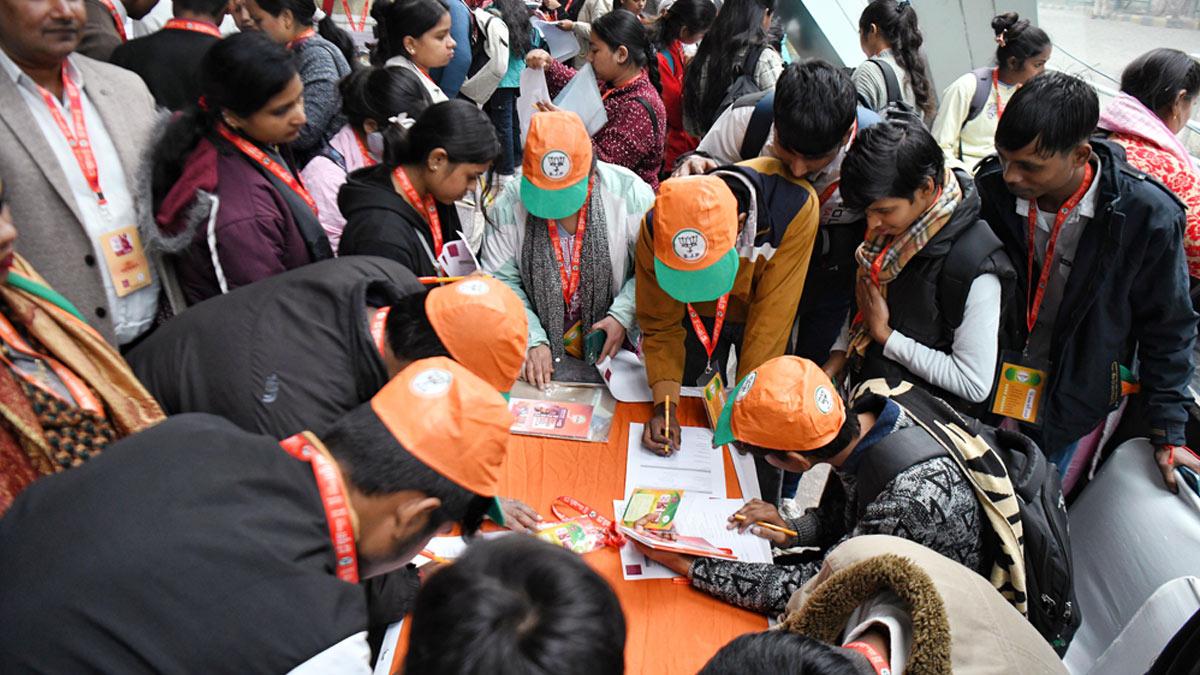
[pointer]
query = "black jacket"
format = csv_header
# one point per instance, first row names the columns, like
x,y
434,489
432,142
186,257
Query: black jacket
x,y
281,355
168,61
381,222
1128,291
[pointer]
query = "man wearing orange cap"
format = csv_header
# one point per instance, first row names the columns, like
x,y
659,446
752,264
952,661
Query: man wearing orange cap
x,y
563,239
788,412
721,261
196,546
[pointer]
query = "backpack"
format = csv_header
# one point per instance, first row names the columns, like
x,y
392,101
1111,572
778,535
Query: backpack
x,y
1020,491
896,107
983,86
743,85
758,130
481,19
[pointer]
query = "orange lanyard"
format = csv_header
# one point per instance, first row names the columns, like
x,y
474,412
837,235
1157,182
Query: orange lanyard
x,y
116,17
333,498
362,22
709,343
304,35
77,138
571,284
1035,306
880,664
430,205
362,147
996,87
203,27
610,92
74,384
378,323
254,152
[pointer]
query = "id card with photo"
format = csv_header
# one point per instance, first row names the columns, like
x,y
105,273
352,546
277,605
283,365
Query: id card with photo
x,y
128,267
1019,391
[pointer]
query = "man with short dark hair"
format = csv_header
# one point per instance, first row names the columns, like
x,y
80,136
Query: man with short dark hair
x,y
517,605
198,547
168,61
1103,285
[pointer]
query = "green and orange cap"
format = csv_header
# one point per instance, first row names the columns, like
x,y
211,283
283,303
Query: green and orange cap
x,y
786,404
557,163
695,238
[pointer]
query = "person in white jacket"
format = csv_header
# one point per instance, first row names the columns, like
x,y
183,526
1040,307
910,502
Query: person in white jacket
x,y
480,86
563,238
414,34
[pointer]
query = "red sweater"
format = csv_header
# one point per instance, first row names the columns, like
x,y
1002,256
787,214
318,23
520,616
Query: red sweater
x,y
1167,168
670,70
631,138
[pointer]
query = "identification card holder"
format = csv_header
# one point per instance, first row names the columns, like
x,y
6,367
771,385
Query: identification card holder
x,y
1020,388
714,399
712,370
128,267
573,341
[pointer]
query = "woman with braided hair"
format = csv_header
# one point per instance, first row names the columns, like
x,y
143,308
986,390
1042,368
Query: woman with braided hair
x,y
563,238
890,37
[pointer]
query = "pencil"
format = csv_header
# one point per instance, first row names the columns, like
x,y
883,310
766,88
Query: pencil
x,y
667,415
435,557
438,280
775,528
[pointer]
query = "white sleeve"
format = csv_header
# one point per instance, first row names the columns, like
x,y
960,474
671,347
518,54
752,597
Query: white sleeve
x,y
351,656
723,142
968,370
500,233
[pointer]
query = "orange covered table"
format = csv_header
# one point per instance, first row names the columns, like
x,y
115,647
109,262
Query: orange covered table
x,y
672,628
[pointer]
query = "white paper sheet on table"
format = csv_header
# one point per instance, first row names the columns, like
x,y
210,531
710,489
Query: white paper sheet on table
x,y
562,43
387,649
699,516
697,467
625,375
533,91
582,97
451,547
747,474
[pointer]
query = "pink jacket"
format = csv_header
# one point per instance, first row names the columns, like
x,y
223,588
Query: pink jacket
x,y
323,178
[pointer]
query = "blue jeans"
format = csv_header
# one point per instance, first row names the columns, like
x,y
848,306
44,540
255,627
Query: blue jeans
x,y
503,111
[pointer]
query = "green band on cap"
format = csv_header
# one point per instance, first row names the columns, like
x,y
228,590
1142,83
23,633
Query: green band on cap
x,y
495,511
704,285
723,435
553,204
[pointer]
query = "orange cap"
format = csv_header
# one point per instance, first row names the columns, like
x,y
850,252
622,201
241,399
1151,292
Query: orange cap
x,y
695,237
482,322
556,164
787,403
451,420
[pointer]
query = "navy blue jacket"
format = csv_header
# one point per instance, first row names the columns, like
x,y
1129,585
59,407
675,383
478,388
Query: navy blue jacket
x,y
1128,291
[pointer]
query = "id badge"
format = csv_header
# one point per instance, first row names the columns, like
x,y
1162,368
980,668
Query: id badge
x,y
1020,387
712,370
573,341
714,399
127,265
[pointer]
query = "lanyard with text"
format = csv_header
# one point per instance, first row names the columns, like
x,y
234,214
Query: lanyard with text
x,y
77,138
362,22
304,35
570,283
116,17
709,343
996,88
627,85
378,322
1034,305
614,538
278,170
202,27
362,147
880,664
74,384
430,206
333,498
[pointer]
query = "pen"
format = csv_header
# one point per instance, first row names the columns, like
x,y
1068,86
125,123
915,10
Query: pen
x,y
667,415
438,280
435,557
791,533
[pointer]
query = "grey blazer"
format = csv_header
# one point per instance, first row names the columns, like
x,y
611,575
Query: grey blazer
x,y
51,235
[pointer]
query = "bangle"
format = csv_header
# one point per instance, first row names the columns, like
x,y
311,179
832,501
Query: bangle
x,y
880,664
1171,452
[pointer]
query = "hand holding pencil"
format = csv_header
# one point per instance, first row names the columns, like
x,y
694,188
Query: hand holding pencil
x,y
661,434
763,520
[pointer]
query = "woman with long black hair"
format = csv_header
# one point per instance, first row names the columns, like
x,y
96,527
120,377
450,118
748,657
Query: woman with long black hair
x,y
221,181
626,66
403,208
324,54
683,23
501,107
890,37
739,31
414,34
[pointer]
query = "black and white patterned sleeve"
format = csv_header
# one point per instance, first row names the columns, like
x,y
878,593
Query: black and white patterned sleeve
x,y
759,587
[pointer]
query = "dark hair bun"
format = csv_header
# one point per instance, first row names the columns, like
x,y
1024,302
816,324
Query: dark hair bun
x,y
1006,21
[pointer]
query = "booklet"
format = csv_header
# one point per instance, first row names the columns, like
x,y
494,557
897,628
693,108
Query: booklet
x,y
551,418
681,544
662,504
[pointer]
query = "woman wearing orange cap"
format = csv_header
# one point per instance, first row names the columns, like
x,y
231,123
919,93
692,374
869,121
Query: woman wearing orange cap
x,y
564,238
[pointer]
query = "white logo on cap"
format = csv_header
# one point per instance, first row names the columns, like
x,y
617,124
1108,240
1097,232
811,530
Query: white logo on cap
x,y
432,383
746,384
556,165
472,287
823,398
689,244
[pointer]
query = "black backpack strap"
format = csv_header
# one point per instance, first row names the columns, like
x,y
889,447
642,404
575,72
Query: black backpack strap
x,y
751,62
891,456
889,80
983,86
961,267
759,127
649,111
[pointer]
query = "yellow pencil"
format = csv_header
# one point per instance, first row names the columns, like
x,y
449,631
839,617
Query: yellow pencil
x,y
667,415
438,280
435,557
775,528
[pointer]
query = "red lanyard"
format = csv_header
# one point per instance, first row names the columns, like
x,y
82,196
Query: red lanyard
x,y
610,92
430,204
709,344
254,152
116,17
996,86
81,145
74,384
877,264
571,284
880,664
1035,306
333,498
203,27
378,322
614,538
362,147
304,35
362,22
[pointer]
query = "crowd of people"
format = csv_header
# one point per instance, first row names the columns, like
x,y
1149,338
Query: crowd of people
x,y
243,384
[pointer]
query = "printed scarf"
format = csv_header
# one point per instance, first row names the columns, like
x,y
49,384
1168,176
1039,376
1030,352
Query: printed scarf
x,y
1126,115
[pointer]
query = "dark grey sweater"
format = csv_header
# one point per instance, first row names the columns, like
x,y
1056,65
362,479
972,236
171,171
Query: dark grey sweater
x,y
321,66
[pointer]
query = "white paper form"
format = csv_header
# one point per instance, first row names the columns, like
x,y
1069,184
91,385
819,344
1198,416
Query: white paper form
x,y
562,43
533,91
699,516
697,467
582,97
625,375
747,473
